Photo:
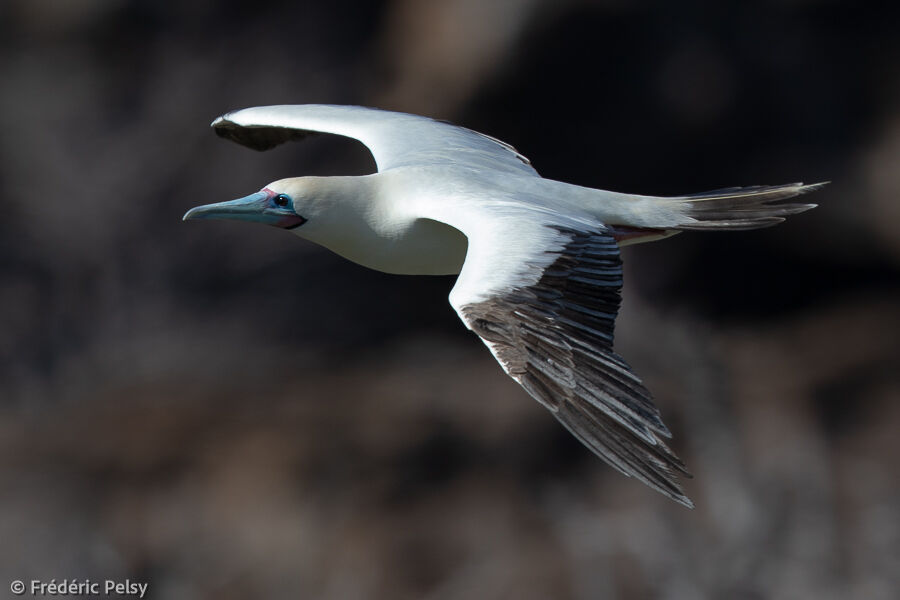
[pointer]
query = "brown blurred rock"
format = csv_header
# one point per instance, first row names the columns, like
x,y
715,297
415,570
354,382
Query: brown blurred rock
x,y
224,412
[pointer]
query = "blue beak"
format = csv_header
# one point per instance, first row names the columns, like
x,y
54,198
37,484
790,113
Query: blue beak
x,y
248,208
255,208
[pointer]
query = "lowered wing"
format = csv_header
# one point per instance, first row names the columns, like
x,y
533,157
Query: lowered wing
x,y
544,297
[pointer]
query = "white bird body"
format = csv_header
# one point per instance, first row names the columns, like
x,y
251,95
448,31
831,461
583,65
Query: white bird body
x,y
538,260
409,220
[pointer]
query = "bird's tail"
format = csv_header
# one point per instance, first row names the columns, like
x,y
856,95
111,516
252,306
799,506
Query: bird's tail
x,y
742,207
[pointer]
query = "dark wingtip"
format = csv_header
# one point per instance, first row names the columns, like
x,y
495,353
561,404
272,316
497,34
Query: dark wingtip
x,y
257,137
219,120
684,501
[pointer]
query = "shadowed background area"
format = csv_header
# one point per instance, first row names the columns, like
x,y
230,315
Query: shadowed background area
x,y
224,411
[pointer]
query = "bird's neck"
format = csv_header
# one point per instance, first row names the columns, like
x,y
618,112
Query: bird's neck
x,y
346,214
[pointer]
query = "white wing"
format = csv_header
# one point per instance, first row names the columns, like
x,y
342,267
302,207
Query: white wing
x,y
542,291
395,139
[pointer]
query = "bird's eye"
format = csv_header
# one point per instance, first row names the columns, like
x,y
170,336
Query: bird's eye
x,y
281,200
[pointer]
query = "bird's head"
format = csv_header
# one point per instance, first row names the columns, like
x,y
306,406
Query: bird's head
x,y
287,203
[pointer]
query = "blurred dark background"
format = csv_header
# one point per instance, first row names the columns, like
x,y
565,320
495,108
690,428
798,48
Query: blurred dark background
x,y
224,411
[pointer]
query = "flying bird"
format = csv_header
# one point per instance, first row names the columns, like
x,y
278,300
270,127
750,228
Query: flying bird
x,y
538,260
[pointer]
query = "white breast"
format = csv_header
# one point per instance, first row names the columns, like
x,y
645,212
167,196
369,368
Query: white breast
x,y
424,247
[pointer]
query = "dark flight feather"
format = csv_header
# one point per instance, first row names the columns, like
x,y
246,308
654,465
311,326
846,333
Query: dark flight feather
x,y
555,337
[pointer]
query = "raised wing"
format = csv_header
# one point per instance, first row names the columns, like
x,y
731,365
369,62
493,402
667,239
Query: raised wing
x,y
395,139
548,318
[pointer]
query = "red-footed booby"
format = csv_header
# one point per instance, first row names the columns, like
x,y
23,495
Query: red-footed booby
x,y
538,260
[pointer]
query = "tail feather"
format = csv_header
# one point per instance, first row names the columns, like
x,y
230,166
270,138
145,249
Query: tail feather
x,y
743,208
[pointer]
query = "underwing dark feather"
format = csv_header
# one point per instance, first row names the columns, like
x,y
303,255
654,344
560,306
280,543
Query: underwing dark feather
x,y
555,337
259,138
